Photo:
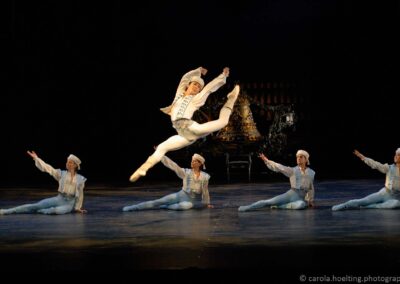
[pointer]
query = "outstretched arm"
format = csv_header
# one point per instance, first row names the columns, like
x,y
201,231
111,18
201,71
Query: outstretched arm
x,y
200,99
358,154
276,167
183,84
383,168
263,157
41,165
32,154
180,172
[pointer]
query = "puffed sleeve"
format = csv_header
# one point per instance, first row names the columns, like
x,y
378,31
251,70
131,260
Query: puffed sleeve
x,y
183,84
383,168
180,172
41,165
276,167
200,99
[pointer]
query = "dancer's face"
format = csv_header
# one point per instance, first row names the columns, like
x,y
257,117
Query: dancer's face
x,y
195,164
301,160
397,158
194,88
71,165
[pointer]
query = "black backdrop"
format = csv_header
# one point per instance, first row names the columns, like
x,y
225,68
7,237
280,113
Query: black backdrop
x,y
89,78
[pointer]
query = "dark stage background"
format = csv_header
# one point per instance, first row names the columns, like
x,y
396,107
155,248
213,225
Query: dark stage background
x,y
89,79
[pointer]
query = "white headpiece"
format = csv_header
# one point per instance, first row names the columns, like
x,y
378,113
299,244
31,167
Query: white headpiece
x,y
200,158
305,154
76,160
198,80
398,151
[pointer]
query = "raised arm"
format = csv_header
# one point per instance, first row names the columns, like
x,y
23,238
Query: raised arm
x,y
42,166
180,172
183,84
383,168
276,167
200,99
359,155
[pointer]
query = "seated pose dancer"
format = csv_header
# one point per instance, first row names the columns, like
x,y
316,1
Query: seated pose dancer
x,y
190,96
301,193
386,198
70,190
195,183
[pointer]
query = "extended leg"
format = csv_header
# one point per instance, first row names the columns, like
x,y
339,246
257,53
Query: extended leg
x,y
171,144
388,204
289,196
166,200
58,210
373,198
207,128
185,205
296,205
31,208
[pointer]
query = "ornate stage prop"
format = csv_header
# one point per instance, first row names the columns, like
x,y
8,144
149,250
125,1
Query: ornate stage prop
x,y
241,127
241,137
246,134
284,119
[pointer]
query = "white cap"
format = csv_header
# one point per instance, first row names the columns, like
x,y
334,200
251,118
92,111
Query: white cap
x,y
76,160
398,151
200,158
198,80
305,154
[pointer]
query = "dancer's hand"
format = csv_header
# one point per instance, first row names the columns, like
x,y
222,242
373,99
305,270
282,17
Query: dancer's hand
x,y
226,71
263,157
82,211
32,154
203,71
358,154
210,206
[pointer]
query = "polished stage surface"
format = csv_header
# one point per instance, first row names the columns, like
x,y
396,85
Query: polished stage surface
x,y
299,242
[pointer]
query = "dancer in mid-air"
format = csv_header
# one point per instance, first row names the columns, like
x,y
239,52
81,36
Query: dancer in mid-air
x,y
70,190
190,96
301,193
195,183
386,198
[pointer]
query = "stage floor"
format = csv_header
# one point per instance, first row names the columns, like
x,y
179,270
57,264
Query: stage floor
x,y
303,241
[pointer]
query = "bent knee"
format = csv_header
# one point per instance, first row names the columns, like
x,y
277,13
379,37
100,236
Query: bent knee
x,y
296,205
186,205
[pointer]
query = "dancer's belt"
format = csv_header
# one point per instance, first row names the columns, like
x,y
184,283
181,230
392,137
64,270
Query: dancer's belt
x,y
63,194
395,193
301,191
182,123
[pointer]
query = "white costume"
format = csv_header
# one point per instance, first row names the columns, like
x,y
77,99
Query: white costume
x,y
386,198
192,188
301,191
70,192
181,112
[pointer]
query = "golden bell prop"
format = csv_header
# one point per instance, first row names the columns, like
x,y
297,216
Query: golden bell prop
x,y
241,126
